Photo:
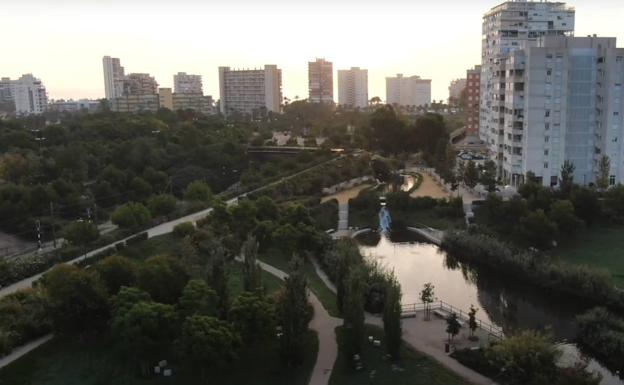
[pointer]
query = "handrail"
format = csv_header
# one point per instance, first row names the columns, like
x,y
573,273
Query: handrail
x,y
483,325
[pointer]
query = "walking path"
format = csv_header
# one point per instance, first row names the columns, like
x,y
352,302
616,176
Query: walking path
x,y
22,350
325,326
429,187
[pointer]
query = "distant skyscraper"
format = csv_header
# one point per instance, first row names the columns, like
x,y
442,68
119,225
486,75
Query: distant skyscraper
x,y
165,98
353,88
140,84
473,91
30,95
6,90
113,77
250,91
184,83
320,81
511,26
408,91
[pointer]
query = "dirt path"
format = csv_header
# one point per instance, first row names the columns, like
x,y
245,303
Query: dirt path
x,y
429,188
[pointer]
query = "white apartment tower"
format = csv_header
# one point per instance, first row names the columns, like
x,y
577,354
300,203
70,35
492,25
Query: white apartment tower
x,y
570,106
409,91
30,95
184,83
320,81
508,27
353,88
250,91
113,77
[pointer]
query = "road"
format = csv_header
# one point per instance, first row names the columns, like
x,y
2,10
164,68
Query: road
x,y
163,228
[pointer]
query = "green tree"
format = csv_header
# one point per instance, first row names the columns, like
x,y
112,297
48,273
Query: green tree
x,y
472,320
452,326
537,230
427,296
566,180
614,202
218,279
117,271
161,205
578,374
266,209
353,309
164,278
388,130
198,299
184,229
293,314
526,358
140,190
198,191
145,331
131,216
586,204
252,272
207,341
471,174
77,298
81,233
126,298
562,213
253,315
488,175
392,316
604,171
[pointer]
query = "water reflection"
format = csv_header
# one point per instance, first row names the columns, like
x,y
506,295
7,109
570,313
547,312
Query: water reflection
x,y
500,301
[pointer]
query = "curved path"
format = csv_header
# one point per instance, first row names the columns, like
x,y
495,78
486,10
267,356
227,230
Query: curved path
x,y
325,326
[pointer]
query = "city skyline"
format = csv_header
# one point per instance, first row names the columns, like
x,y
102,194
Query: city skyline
x,y
440,46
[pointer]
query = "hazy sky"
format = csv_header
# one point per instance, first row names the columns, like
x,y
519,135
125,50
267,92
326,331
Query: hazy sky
x,y
63,41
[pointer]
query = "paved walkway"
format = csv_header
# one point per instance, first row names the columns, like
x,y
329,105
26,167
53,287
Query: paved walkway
x,y
22,350
325,326
429,187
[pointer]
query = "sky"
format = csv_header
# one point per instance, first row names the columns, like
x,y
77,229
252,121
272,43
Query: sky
x,y
62,41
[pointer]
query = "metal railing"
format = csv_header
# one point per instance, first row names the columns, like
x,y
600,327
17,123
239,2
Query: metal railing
x,y
492,330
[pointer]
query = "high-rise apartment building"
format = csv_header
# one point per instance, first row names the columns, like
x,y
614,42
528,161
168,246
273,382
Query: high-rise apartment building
x,y
353,88
72,106
250,91
140,84
455,89
473,92
508,27
565,100
320,82
30,95
113,77
165,98
6,90
184,83
409,91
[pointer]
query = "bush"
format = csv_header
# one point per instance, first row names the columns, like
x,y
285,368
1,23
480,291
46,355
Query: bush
x,y
590,285
137,238
161,205
183,229
131,216
601,333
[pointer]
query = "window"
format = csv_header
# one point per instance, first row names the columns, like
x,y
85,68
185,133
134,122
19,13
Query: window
x,y
545,164
547,113
546,152
611,180
546,138
546,126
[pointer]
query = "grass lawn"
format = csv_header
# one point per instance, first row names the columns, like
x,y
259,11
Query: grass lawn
x,y
418,369
64,361
428,217
327,297
598,246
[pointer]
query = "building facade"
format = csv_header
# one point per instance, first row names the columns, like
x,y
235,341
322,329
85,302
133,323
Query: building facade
x,y
197,102
566,98
455,89
29,95
114,77
320,81
165,98
71,106
353,88
6,91
508,27
140,84
250,91
409,91
473,100
135,103
184,83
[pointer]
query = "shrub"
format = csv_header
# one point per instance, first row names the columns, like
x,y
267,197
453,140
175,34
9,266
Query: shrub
x,y
181,230
137,238
602,334
132,216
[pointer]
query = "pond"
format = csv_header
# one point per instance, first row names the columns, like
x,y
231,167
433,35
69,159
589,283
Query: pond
x,y
509,305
